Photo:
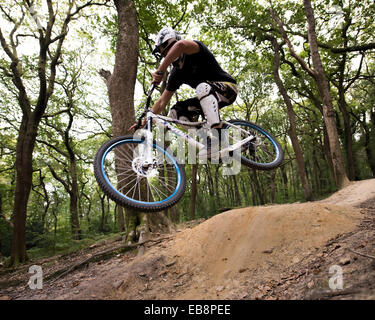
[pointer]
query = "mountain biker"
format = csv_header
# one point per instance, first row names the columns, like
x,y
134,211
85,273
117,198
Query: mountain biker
x,y
195,65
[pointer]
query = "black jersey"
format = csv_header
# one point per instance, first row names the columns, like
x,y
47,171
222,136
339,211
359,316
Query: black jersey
x,y
198,67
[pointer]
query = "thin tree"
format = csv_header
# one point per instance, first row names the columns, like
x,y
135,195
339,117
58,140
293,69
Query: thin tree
x,y
121,86
50,39
292,121
194,189
318,74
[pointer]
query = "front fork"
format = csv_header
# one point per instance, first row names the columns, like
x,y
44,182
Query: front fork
x,y
145,149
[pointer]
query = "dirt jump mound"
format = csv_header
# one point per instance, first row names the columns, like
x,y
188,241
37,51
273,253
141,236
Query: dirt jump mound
x,y
268,252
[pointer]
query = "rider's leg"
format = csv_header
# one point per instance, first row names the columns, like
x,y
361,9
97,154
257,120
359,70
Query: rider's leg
x,y
213,96
210,107
209,104
187,110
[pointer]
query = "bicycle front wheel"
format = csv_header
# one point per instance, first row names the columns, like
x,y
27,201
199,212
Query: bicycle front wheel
x,y
262,152
128,180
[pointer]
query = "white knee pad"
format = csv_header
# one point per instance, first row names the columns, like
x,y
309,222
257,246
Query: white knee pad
x,y
202,90
209,103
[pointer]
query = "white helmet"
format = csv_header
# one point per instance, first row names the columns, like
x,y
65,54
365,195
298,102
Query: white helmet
x,y
165,38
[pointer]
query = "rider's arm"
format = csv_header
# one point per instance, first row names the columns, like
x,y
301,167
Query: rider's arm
x,y
158,107
183,46
162,102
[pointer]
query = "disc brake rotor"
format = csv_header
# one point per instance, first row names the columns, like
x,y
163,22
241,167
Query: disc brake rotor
x,y
144,169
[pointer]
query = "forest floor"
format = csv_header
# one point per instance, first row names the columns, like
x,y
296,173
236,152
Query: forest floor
x,y
264,253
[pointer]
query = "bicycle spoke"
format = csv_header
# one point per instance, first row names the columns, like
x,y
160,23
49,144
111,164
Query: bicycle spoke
x,y
149,183
160,193
259,150
166,186
122,188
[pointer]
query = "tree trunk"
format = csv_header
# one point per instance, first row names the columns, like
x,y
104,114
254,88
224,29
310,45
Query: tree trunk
x,y
237,194
294,182
285,182
318,74
367,142
121,85
292,123
316,172
348,137
102,206
73,193
258,190
272,186
174,214
217,191
120,219
341,178
193,191
24,169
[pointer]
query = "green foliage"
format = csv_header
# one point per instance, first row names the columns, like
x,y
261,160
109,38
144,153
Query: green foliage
x,y
5,238
236,31
35,236
64,244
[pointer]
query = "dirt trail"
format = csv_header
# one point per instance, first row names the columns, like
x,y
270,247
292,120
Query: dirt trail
x,y
354,194
269,252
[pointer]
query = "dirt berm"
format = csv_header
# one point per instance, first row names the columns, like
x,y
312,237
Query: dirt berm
x,y
264,241
237,253
250,253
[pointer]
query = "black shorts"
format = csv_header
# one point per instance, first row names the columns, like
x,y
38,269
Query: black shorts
x,y
225,93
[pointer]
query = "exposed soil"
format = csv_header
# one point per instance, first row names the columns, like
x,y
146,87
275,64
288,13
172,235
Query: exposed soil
x,y
268,252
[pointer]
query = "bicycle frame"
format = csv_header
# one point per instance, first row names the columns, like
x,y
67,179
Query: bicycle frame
x,y
138,173
152,118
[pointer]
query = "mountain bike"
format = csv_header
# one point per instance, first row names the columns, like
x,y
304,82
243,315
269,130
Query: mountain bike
x,y
137,172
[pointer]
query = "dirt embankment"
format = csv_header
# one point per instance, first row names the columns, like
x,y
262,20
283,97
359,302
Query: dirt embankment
x,y
269,252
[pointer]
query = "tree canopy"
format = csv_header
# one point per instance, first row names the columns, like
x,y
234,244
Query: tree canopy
x,y
305,71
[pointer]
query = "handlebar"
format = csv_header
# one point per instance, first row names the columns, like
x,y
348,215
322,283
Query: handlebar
x,y
153,85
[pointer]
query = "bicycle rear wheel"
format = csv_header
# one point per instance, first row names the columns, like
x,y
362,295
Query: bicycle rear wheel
x,y
126,179
263,152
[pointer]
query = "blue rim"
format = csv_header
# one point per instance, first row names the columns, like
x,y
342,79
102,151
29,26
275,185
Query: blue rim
x,y
130,199
266,134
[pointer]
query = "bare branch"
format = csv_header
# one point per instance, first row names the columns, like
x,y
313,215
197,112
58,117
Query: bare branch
x,y
16,78
58,178
357,74
87,4
55,114
356,48
290,45
362,254
7,14
181,18
105,74
53,147
24,36
15,28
